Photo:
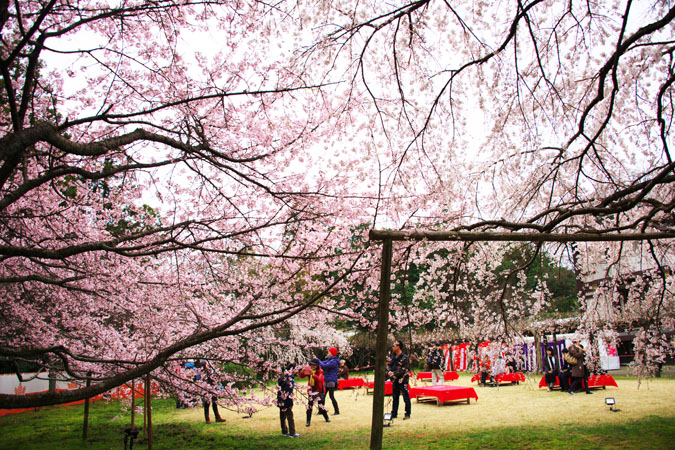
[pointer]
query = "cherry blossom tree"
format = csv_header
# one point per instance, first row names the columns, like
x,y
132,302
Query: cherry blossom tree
x,y
188,179
156,208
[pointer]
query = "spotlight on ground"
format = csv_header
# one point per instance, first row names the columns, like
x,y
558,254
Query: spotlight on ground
x,y
609,401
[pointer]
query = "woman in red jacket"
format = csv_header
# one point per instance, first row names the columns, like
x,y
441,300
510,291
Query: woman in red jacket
x,y
316,390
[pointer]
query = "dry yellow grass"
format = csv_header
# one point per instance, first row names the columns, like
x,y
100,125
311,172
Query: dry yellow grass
x,y
514,405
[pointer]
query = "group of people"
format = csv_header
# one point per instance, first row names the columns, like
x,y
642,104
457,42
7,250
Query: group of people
x,y
480,361
571,370
489,370
322,378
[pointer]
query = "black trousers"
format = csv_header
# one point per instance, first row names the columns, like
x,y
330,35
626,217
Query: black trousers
x,y
564,378
286,417
550,378
396,390
576,384
330,390
320,399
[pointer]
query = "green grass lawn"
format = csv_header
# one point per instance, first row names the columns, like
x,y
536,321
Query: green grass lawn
x,y
60,427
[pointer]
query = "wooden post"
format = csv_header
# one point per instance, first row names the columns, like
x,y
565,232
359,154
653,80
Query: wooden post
x,y
133,403
145,408
148,408
376,429
85,426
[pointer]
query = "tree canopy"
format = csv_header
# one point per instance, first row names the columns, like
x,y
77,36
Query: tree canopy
x,y
183,179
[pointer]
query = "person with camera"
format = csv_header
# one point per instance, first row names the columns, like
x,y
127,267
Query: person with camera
x,y
316,390
330,368
398,371
579,371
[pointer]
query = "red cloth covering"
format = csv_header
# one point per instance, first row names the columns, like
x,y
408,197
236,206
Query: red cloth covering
x,y
447,376
460,356
351,383
503,377
444,393
593,381
509,377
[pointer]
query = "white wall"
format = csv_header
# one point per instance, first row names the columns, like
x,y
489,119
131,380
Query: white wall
x,y
10,384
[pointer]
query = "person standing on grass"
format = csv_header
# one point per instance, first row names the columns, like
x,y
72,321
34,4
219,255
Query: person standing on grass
x,y
286,384
435,361
330,369
315,389
550,368
579,372
208,399
398,371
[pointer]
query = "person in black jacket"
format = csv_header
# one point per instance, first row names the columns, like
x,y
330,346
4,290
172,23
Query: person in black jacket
x,y
550,368
435,361
286,384
398,371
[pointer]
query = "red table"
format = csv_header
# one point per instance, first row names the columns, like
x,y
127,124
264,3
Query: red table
x,y
443,393
447,376
594,382
351,383
504,378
